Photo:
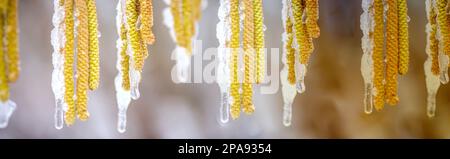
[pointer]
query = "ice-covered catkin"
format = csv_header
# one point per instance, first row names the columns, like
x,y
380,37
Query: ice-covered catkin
x,y
188,24
234,44
12,40
146,14
306,47
297,9
69,60
144,50
306,43
94,55
392,50
442,19
367,47
197,10
378,56
57,83
431,66
133,36
259,40
4,88
248,43
432,42
403,33
175,9
125,60
290,51
312,16
82,59
223,70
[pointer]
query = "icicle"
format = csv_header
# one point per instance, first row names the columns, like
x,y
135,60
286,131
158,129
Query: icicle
x,y
433,83
123,101
135,78
366,61
58,90
57,41
6,110
289,92
223,70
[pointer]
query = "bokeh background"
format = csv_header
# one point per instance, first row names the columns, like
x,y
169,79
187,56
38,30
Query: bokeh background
x,y
331,107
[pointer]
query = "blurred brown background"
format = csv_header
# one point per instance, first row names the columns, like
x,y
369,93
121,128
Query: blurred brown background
x,y
331,108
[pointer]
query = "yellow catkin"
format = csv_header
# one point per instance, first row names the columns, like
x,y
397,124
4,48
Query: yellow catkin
x,y
125,61
4,88
442,20
175,6
392,50
197,11
3,6
143,46
82,60
234,44
290,52
306,47
259,40
433,43
188,24
377,56
133,36
12,40
297,10
312,14
248,43
94,59
146,14
403,37
68,63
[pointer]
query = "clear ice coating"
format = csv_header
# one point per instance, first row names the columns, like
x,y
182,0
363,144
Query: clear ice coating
x,y
135,78
224,108
57,41
6,110
59,114
367,22
223,32
289,91
433,83
301,73
443,66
